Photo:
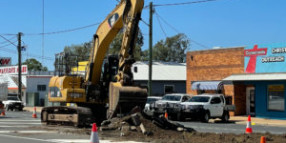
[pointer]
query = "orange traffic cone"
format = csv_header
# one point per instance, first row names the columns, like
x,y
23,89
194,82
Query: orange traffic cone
x,y
248,125
3,113
94,136
262,139
34,113
166,115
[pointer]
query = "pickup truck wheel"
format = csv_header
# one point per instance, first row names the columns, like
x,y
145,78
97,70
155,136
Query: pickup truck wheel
x,y
7,108
206,117
225,117
180,117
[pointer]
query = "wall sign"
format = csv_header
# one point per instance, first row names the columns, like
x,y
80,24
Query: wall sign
x,y
4,61
265,58
13,70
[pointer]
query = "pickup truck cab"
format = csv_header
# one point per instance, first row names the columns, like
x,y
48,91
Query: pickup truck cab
x,y
13,103
207,106
150,100
170,103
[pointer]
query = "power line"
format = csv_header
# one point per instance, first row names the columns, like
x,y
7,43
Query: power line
x,y
160,25
145,22
202,45
43,29
8,40
63,31
8,50
183,3
7,44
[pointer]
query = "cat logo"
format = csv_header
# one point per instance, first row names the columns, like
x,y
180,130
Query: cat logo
x,y
112,19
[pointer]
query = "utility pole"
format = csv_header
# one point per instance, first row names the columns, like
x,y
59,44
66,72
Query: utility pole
x,y
150,49
19,67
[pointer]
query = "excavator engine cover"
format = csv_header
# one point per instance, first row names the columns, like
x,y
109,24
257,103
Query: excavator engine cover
x,y
122,99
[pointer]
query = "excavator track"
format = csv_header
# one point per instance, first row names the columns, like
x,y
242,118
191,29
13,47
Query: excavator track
x,y
70,116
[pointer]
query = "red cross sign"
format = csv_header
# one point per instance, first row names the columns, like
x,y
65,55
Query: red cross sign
x,y
253,53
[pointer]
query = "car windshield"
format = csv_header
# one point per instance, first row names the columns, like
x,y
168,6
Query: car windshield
x,y
171,98
150,100
199,99
13,98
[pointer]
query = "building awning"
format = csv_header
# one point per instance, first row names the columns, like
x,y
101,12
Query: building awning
x,y
256,77
207,85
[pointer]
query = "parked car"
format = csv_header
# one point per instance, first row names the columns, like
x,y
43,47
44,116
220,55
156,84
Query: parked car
x,y
207,106
13,103
170,103
150,100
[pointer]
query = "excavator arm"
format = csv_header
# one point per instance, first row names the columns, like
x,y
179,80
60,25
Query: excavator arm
x,y
126,15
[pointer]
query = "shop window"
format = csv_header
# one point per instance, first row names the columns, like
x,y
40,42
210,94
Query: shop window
x,y
41,87
168,89
276,97
201,91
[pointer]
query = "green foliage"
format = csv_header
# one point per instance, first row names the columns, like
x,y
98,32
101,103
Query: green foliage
x,y
78,52
173,49
34,65
115,45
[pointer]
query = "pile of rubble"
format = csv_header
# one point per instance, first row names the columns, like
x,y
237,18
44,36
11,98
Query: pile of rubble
x,y
138,123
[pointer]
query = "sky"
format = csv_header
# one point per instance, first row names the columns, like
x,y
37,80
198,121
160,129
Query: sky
x,y
220,23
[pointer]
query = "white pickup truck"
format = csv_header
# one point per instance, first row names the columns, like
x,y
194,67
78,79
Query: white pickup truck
x,y
170,103
13,103
207,106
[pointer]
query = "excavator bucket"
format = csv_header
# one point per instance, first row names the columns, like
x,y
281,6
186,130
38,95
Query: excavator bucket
x,y
122,99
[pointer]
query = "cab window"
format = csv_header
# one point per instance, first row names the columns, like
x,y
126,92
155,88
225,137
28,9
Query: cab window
x,y
216,100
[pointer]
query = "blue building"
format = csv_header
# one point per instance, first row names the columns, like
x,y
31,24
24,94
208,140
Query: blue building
x,y
263,80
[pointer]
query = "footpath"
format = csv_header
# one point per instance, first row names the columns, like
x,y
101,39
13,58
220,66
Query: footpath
x,y
258,121
234,119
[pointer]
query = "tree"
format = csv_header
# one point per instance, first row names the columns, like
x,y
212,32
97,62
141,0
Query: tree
x,y
34,65
115,45
81,52
78,52
173,49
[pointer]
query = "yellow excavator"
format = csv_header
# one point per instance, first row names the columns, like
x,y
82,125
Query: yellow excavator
x,y
107,90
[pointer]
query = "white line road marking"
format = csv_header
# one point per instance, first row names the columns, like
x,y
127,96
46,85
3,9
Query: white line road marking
x,y
87,141
26,131
14,126
19,120
35,139
11,123
65,141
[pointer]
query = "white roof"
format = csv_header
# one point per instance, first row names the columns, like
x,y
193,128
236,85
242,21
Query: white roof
x,y
160,71
11,83
256,77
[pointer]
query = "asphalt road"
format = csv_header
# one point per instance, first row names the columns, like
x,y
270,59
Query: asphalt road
x,y
20,127
231,127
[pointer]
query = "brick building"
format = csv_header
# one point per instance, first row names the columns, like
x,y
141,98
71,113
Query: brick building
x,y
253,78
206,69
